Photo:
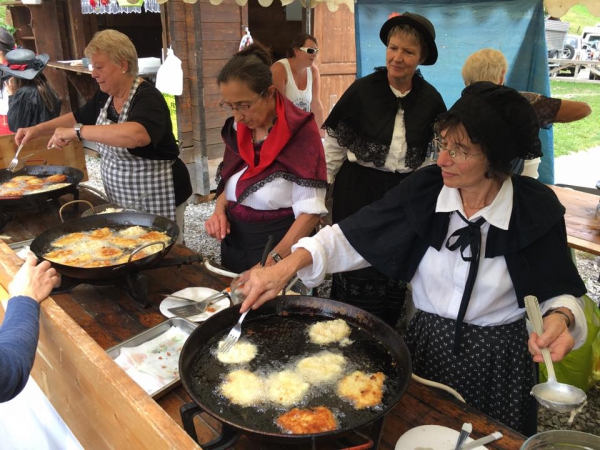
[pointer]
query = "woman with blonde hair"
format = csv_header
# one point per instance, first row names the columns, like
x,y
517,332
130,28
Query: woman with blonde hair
x,y
130,121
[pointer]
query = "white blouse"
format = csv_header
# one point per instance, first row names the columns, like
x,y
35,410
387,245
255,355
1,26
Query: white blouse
x,y
439,281
280,193
395,161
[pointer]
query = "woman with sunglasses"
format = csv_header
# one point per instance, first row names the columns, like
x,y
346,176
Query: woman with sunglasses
x,y
272,180
297,77
377,135
473,241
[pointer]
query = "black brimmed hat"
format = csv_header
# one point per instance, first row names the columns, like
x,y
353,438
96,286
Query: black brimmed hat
x,y
419,23
23,63
7,41
501,119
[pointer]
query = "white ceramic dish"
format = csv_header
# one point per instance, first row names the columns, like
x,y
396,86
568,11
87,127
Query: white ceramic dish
x,y
430,437
197,294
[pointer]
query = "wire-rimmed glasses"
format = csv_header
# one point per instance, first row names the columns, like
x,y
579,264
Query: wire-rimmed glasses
x,y
241,107
456,153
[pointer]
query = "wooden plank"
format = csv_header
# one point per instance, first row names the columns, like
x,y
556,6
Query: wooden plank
x,y
102,406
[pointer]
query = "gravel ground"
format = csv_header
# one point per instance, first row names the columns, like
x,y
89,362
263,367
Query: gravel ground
x,y
588,266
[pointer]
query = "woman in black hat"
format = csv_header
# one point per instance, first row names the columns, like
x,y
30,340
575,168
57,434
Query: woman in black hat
x,y
31,97
377,135
473,241
7,43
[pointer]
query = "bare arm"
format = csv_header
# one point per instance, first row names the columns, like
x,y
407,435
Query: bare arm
x,y
316,106
279,77
25,135
571,110
126,134
301,227
263,284
217,225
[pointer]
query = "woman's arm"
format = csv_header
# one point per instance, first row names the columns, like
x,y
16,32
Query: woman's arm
x,y
25,135
302,227
335,156
217,225
316,106
126,134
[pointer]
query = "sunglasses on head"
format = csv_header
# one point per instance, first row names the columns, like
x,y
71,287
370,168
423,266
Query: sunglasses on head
x,y
310,50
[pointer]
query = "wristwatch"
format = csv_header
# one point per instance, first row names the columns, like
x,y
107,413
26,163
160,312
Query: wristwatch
x,y
78,127
276,257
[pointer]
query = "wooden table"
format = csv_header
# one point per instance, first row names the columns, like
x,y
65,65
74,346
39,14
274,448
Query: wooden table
x,y
583,227
106,409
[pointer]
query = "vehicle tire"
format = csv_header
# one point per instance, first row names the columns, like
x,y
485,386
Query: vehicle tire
x,y
568,52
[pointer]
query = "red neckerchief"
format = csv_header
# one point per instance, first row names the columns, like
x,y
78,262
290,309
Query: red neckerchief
x,y
278,137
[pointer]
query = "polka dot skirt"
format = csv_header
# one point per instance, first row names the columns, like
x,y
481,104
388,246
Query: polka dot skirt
x,y
494,371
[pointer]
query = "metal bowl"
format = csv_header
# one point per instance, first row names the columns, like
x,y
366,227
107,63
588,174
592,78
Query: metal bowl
x,y
562,439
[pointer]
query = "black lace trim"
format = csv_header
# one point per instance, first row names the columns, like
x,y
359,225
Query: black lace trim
x,y
219,172
286,176
372,152
364,150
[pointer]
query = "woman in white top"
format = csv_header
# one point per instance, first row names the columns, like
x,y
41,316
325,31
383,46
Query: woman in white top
x,y
297,77
473,241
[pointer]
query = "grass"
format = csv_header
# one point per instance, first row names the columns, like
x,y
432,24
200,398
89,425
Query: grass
x,y
579,17
583,134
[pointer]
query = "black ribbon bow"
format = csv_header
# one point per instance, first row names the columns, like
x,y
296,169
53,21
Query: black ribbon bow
x,y
466,237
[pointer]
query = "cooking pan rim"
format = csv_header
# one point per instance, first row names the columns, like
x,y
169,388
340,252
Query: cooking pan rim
x,y
276,305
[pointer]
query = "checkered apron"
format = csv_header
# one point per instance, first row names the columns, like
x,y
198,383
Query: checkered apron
x,y
127,177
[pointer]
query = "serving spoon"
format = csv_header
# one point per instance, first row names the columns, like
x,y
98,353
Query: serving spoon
x,y
553,395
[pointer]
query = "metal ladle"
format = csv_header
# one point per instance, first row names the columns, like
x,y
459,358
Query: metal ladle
x,y
553,395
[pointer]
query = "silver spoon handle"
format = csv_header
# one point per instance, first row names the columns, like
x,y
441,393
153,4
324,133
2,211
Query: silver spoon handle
x,y
537,322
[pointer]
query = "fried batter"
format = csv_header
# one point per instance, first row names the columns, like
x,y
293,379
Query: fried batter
x,y
286,388
329,331
34,181
155,236
108,253
57,178
241,352
25,178
132,232
323,367
364,390
124,242
59,256
79,260
100,233
308,421
243,388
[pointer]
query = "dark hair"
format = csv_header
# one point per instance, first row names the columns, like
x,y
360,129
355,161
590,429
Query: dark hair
x,y
252,66
497,168
299,42
49,96
407,30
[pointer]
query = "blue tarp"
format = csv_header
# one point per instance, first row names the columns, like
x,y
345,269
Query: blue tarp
x,y
514,27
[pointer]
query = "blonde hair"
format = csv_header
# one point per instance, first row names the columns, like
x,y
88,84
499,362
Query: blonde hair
x,y
118,46
485,65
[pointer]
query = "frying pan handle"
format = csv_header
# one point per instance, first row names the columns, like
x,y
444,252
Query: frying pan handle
x,y
94,190
137,250
224,441
369,444
71,202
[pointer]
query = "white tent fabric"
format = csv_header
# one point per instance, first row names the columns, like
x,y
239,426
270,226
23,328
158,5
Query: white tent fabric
x,y
332,5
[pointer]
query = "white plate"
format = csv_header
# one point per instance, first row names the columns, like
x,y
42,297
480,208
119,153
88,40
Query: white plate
x,y
193,293
430,437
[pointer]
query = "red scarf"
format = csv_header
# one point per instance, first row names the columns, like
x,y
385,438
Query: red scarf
x,y
278,137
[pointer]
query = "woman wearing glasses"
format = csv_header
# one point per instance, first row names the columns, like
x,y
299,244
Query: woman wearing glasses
x,y
130,121
297,77
377,135
473,241
272,179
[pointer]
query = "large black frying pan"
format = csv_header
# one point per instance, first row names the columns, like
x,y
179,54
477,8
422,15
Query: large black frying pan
x,y
278,328
74,176
41,244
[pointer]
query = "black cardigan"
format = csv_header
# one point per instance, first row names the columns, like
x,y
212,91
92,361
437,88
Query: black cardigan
x,y
394,233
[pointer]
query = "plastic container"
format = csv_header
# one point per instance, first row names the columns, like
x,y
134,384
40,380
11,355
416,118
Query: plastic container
x,y
562,440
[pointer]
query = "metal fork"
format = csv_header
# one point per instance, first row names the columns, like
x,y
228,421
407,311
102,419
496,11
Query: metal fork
x,y
234,334
13,163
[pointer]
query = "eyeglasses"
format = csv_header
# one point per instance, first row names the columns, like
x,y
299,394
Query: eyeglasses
x,y
309,50
242,107
456,154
